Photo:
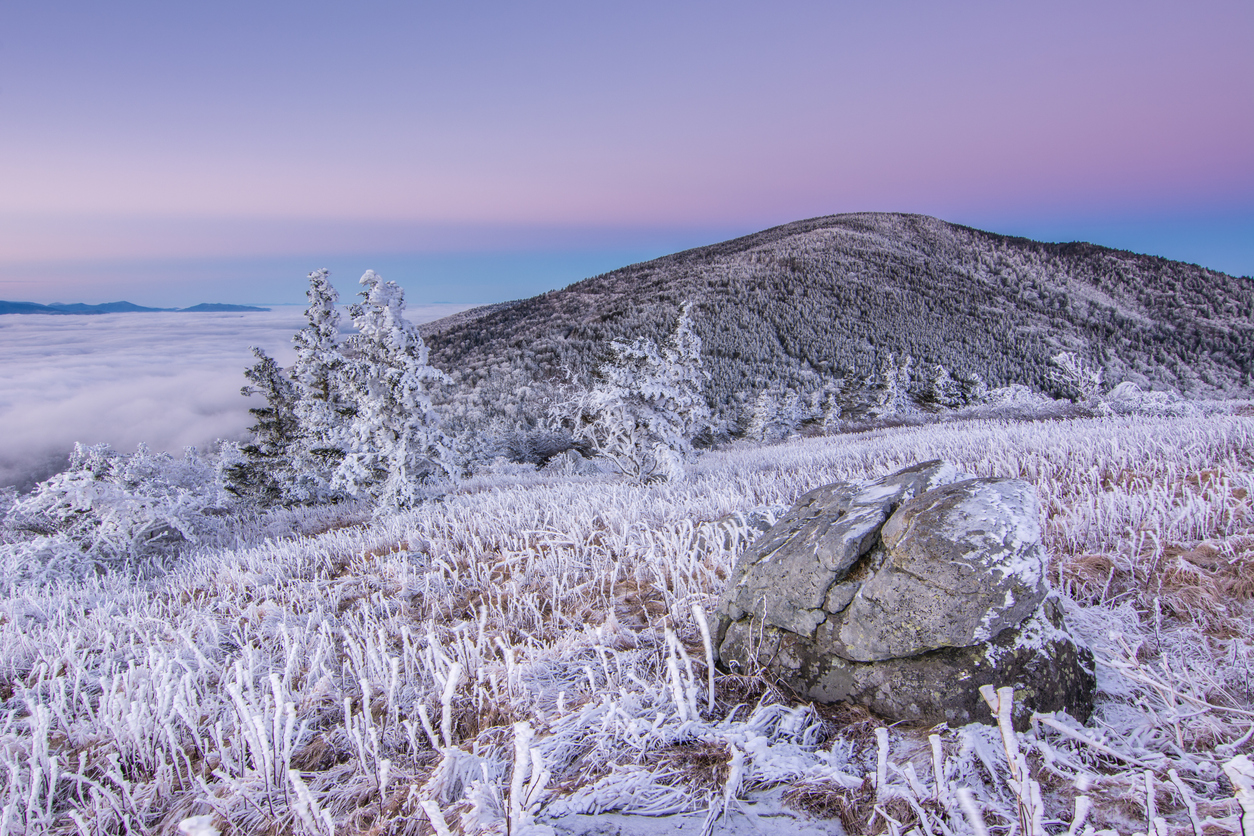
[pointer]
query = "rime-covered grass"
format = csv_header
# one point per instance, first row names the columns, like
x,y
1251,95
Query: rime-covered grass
x,y
530,647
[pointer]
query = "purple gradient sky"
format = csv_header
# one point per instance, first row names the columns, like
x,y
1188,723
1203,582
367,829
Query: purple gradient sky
x,y
171,153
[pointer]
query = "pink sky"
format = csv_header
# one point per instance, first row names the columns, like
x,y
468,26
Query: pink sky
x,y
186,133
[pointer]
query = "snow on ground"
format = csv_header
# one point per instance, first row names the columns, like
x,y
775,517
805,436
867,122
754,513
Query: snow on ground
x,y
528,650
167,379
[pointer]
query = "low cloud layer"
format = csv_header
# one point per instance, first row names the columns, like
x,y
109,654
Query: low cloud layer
x,y
167,380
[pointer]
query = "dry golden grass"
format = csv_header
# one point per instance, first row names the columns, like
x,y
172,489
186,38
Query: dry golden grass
x,y
830,800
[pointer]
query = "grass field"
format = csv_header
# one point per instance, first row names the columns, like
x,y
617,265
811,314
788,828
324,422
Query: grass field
x,y
530,647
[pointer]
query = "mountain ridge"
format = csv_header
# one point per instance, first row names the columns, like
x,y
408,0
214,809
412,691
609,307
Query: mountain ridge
x,y
840,298
83,309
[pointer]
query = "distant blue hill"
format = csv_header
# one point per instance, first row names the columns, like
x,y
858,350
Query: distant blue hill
x,y
107,307
79,308
215,307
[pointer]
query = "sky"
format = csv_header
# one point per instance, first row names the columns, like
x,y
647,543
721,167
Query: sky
x,y
176,153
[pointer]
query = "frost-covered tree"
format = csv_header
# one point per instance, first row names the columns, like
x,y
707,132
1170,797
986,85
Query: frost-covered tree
x,y
825,406
891,392
941,391
262,468
394,438
774,416
1075,379
322,409
973,388
643,413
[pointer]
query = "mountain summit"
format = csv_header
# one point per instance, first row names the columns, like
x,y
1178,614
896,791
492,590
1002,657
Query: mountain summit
x,y
846,296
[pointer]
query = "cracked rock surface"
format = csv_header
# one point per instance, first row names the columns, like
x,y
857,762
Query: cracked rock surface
x,y
906,594
787,574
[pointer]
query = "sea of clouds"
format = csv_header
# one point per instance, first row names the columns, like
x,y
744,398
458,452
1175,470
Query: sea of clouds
x,y
169,380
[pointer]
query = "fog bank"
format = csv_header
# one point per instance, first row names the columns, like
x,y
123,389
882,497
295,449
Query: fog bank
x,y
170,380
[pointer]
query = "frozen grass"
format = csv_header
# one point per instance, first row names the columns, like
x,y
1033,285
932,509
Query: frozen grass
x,y
531,646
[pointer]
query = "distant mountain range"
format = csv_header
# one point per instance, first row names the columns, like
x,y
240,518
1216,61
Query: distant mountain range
x,y
79,308
832,302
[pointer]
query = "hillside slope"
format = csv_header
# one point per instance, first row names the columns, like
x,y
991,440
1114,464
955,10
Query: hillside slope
x,y
800,305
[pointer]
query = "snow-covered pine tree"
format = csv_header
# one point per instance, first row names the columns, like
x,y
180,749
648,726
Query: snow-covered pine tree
x,y
322,409
775,415
972,387
1075,379
681,393
648,406
941,391
891,395
263,466
761,417
827,409
394,438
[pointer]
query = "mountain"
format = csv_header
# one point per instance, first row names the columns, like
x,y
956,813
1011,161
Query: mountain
x,y
75,309
833,302
25,308
79,308
107,307
218,307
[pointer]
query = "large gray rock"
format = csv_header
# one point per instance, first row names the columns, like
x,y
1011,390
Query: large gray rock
x,y
964,563
906,594
1047,668
787,574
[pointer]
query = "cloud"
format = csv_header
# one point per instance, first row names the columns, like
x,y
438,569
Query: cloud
x,y
167,380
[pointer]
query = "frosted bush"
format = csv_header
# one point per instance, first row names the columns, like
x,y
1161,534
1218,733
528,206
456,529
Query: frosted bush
x,y
1074,378
643,413
1129,399
109,510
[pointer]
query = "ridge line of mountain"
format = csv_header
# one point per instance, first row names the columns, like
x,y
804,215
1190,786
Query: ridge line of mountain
x,y
844,307
779,231
83,309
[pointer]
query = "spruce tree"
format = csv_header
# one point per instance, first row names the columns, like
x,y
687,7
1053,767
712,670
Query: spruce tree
x,y
263,468
648,406
322,408
394,440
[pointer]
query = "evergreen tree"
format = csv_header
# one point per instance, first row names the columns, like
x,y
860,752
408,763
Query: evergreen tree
x,y
891,393
973,389
647,407
322,408
941,391
394,439
775,415
263,467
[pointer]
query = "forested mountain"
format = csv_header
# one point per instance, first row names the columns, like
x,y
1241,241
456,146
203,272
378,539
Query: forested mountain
x,y
834,303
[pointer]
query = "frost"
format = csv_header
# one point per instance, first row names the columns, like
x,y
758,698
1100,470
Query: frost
x,y
290,671
876,493
643,414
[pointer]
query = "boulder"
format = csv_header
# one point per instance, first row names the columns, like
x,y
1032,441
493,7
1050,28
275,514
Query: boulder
x,y
964,562
906,595
787,574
